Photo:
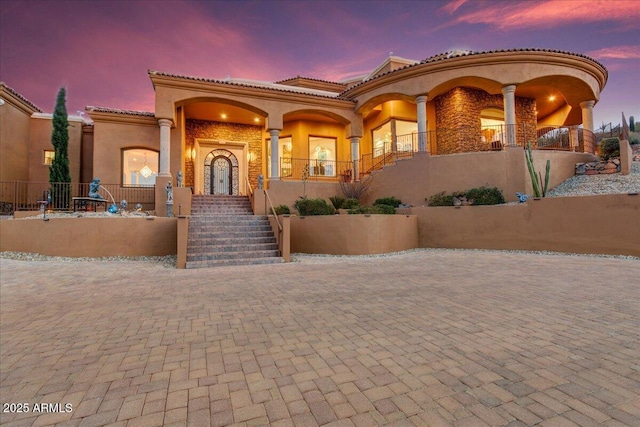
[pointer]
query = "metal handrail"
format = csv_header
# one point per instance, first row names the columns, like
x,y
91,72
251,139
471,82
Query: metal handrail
x,y
268,199
250,190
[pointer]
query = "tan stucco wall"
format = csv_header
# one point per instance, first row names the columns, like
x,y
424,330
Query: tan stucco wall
x,y
353,234
111,137
595,224
40,140
90,237
287,192
14,143
412,180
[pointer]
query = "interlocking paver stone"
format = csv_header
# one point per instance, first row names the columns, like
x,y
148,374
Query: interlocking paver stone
x,y
433,337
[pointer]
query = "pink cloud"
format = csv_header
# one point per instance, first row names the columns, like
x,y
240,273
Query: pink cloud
x,y
452,6
553,13
617,52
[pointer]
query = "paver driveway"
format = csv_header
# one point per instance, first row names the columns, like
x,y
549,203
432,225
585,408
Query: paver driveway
x,y
432,337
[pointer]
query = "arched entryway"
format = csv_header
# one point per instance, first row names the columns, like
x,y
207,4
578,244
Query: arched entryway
x,y
221,174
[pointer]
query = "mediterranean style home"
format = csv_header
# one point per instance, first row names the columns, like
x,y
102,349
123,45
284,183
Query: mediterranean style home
x,y
223,134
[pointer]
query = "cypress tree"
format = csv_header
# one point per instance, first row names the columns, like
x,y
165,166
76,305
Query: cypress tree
x,y
632,124
59,169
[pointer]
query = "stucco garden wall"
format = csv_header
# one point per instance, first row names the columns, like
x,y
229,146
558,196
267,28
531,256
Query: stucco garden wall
x,y
412,180
353,234
605,224
90,237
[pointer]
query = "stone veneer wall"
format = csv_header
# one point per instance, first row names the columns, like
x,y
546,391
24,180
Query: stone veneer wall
x,y
458,126
224,132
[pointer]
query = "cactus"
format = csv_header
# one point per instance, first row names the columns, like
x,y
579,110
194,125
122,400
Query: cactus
x,y
539,189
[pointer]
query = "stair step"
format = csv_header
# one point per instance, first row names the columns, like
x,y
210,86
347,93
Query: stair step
x,y
232,248
224,239
232,255
233,262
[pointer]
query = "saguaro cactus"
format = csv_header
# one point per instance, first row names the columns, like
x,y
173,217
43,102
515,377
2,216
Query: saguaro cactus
x,y
539,190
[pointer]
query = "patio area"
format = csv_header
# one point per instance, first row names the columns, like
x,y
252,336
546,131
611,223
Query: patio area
x,y
428,337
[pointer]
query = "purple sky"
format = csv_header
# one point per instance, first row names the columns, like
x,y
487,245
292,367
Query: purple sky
x,y
101,50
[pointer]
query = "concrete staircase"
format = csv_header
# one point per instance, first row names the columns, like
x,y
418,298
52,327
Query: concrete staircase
x,y
224,231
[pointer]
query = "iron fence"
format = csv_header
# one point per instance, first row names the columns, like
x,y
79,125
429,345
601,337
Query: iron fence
x,y
317,169
25,196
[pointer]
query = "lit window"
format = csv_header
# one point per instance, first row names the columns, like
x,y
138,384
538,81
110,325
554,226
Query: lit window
x,y
139,166
403,133
49,155
322,156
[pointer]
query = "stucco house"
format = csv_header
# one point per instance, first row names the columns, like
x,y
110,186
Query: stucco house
x,y
223,133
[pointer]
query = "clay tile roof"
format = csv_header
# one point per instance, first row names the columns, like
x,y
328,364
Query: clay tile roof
x,y
458,53
121,112
276,87
20,97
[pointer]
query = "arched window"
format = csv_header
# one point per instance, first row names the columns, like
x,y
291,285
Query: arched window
x,y
139,166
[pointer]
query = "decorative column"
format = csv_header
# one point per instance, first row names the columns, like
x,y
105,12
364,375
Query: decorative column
x,y
587,125
355,158
421,102
509,95
275,155
165,146
573,138
587,114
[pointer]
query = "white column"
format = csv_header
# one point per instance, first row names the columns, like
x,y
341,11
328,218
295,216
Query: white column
x,y
587,114
355,158
509,95
165,146
421,102
275,154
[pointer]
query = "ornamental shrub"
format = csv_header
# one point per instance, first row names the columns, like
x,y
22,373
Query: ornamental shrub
x,y
485,196
310,207
390,201
609,147
282,210
440,199
351,203
375,209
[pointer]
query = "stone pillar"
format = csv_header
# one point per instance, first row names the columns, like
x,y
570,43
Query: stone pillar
x,y
573,138
355,158
421,102
275,154
587,114
509,95
165,146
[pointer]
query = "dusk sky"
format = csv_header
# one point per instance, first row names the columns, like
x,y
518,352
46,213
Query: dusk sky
x,y
101,50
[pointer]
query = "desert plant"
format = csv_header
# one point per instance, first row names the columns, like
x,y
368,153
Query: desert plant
x,y
309,207
485,196
609,147
539,190
375,209
337,201
305,177
440,199
350,204
356,189
282,210
391,201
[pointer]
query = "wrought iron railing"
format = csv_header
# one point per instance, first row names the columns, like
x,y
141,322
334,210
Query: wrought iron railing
x,y
24,195
318,169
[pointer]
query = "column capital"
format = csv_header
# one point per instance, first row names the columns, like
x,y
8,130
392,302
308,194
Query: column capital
x,y
588,104
422,98
165,122
273,132
508,89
